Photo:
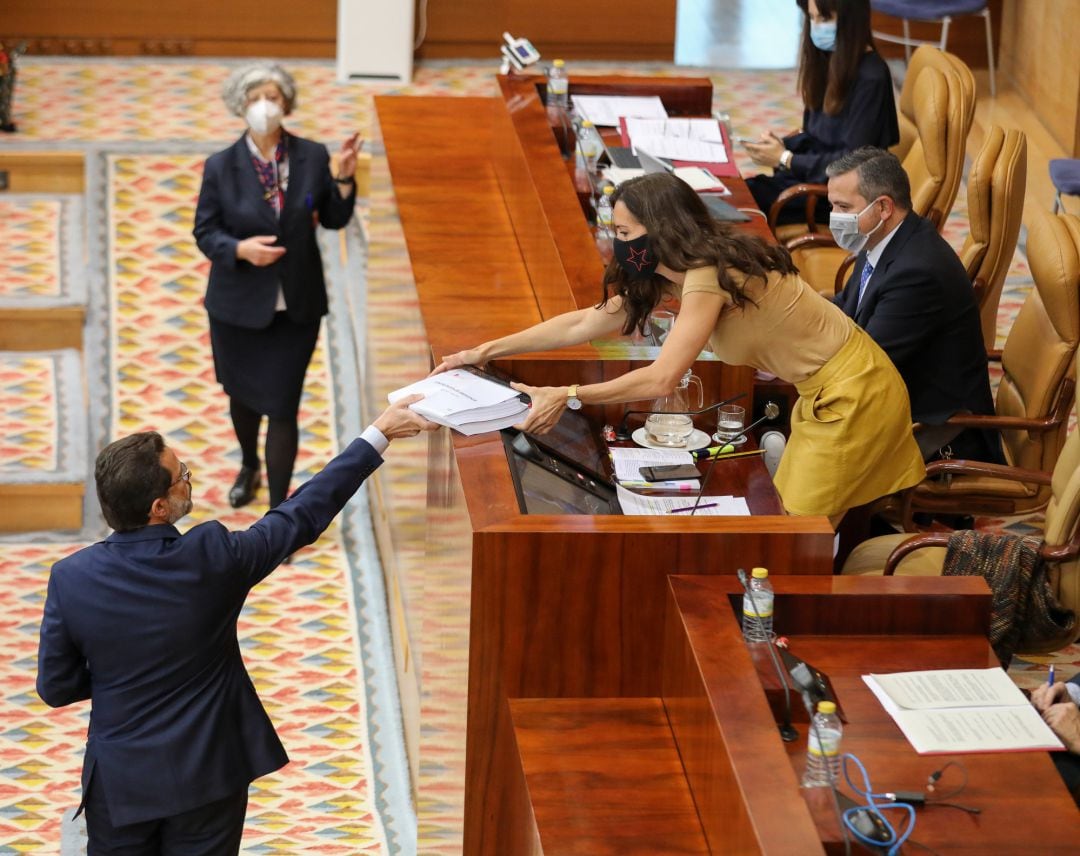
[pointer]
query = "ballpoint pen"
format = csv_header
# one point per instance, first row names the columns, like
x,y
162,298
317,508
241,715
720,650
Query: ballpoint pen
x,y
1050,677
692,507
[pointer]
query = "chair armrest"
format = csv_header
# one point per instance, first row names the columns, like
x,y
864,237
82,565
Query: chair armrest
x,y
841,273
810,191
982,468
927,539
968,468
993,355
811,239
1014,423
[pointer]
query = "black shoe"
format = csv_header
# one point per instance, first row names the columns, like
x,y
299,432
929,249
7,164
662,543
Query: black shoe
x,y
245,486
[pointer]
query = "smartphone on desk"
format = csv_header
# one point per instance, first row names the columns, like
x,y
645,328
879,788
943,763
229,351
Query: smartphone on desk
x,y
670,472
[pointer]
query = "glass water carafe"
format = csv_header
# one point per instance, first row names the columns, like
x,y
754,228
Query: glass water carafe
x,y
668,424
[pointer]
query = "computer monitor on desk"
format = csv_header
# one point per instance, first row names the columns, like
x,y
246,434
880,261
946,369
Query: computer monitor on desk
x,y
563,472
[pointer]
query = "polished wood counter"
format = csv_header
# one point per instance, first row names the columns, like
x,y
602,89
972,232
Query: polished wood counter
x,y
561,606
717,689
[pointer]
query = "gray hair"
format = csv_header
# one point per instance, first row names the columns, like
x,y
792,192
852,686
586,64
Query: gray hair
x,y
246,77
880,174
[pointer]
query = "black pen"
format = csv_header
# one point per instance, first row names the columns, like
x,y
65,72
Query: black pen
x,y
693,507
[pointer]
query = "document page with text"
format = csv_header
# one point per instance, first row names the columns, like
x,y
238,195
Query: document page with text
x,y
962,710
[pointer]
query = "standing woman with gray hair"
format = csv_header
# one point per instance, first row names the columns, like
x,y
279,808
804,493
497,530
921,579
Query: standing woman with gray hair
x,y
260,203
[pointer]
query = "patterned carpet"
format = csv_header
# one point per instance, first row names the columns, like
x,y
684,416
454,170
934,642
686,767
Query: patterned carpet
x,y
311,635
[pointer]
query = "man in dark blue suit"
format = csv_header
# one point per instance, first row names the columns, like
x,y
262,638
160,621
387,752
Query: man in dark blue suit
x,y
910,292
144,625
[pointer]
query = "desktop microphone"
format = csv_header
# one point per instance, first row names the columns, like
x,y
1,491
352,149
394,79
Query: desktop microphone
x,y
772,410
623,433
787,732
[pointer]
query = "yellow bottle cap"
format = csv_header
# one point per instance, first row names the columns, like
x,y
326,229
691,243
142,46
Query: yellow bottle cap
x,y
759,573
558,63
826,707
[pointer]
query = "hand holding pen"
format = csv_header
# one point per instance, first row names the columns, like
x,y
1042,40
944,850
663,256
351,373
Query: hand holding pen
x,y
1049,693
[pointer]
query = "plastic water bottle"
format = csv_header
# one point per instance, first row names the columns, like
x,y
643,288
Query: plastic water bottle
x,y
558,85
823,747
757,626
605,214
590,145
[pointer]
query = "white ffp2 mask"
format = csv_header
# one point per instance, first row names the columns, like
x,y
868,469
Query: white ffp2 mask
x,y
263,117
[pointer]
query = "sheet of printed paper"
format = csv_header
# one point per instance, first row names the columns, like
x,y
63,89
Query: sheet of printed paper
x,y
636,504
605,110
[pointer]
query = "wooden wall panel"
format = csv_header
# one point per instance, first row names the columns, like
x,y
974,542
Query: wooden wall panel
x,y
196,27
1039,55
635,29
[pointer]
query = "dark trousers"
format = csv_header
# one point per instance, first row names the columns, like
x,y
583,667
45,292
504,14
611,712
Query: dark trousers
x,y
210,830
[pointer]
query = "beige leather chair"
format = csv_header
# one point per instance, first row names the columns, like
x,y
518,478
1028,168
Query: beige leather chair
x,y
995,193
927,56
943,108
1036,392
924,555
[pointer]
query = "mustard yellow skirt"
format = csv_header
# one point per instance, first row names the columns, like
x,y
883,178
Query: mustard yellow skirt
x,y
851,438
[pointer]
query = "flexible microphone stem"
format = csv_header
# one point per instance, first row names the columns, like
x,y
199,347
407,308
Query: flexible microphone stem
x,y
787,732
771,412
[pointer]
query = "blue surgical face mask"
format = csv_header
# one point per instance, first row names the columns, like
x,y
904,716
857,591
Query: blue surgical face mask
x,y
823,35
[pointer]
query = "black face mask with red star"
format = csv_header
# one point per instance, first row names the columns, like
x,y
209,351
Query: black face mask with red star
x,y
636,257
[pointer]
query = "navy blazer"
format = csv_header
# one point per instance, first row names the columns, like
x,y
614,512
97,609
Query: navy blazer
x,y
144,625
919,306
232,207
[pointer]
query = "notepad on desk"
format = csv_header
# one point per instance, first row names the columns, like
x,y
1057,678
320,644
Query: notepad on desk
x,y
943,711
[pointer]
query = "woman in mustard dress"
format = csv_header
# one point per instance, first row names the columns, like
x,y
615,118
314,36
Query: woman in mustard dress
x,y
851,436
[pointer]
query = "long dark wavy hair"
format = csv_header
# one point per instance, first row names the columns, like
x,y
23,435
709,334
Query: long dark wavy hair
x,y
826,78
683,235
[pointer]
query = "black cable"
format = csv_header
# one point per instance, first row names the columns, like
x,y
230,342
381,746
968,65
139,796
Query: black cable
x,y
925,847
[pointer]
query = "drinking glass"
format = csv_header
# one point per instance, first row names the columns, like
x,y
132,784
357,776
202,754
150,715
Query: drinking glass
x,y
660,323
731,420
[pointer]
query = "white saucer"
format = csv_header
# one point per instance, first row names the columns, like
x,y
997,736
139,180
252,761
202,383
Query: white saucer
x,y
738,441
697,440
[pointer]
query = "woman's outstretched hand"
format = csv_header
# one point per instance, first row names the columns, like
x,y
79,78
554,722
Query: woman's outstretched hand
x,y
548,404
471,357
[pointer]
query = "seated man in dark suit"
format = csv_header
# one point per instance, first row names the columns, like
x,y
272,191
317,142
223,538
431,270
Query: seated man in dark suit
x,y
1060,706
144,625
910,292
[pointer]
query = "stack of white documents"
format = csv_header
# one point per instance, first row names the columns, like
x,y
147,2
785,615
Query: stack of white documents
x,y
467,402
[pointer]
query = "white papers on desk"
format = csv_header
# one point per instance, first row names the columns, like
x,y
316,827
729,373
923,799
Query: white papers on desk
x,y
678,139
629,461
464,401
606,109
962,710
650,506
697,177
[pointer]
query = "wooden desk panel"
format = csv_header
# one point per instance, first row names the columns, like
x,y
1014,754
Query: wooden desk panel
x,y
603,776
470,279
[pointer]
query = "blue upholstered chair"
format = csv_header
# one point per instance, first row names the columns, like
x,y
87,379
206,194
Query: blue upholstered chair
x,y
1065,174
938,11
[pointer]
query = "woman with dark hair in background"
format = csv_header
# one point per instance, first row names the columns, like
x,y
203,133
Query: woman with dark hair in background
x,y
847,93
260,202
851,438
